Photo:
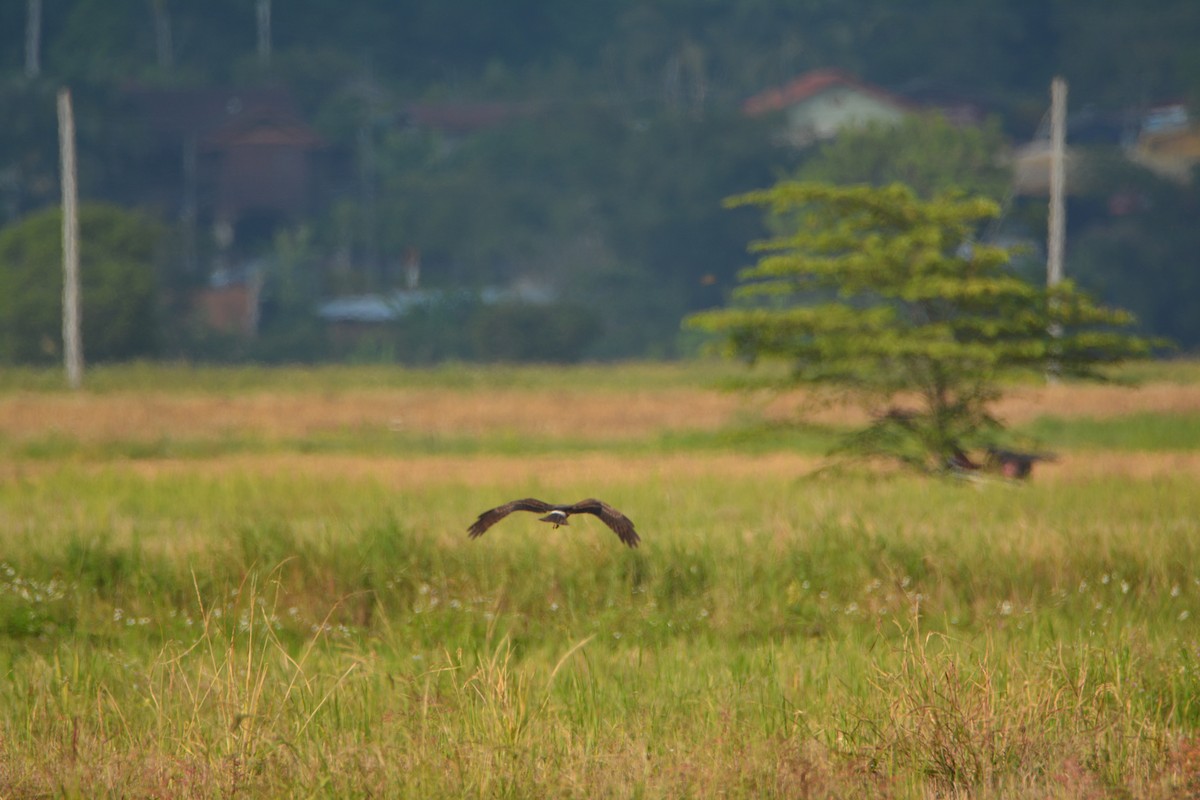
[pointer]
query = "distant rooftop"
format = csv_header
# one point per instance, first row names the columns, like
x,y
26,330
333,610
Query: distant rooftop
x,y
811,84
388,307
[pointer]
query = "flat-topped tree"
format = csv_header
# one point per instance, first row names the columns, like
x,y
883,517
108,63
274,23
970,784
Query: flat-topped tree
x,y
890,299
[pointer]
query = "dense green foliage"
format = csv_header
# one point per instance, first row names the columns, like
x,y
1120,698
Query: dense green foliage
x,y
1141,256
885,295
925,152
118,282
622,221
1006,46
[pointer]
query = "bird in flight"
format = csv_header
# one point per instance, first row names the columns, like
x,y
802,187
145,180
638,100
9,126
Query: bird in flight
x,y
557,515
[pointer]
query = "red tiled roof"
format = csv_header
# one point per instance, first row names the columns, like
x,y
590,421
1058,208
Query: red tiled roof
x,y
809,85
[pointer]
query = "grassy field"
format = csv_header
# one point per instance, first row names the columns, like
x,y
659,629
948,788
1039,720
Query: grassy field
x,y
222,583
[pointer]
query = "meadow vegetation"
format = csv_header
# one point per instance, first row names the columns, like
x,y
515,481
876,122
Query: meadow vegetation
x,y
242,583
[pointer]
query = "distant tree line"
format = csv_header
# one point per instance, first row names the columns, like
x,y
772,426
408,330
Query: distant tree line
x,y
609,189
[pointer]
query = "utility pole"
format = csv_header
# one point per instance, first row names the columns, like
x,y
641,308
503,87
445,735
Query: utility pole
x,y
263,12
1058,216
33,38
188,212
72,346
162,35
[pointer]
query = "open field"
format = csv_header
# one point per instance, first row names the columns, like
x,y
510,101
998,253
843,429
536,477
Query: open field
x,y
229,583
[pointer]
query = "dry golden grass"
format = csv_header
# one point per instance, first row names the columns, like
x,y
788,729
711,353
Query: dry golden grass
x,y
547,413
1103,401
488,470
1024,403
149,415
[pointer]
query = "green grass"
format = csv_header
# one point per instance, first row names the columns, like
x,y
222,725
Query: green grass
x,y
194,636
220,629
1136,432
1152,432
753,437
621,377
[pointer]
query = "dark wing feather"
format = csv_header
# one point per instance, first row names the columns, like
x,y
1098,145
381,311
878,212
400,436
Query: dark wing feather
x,y
621,524
490,517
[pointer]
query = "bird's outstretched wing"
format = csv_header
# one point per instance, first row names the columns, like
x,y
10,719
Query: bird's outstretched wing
x,y
621,524
490,517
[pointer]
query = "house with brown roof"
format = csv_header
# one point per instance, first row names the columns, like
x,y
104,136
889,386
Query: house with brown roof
x,y
819,104
240,163
240,150
262,162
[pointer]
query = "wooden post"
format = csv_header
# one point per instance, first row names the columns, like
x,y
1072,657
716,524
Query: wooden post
x,y
72,346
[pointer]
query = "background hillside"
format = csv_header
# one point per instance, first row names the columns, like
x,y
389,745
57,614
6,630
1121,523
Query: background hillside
x,y
536,179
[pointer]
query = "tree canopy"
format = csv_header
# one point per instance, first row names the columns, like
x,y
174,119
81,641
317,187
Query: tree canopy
x,y
118,277
925,152
890,297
